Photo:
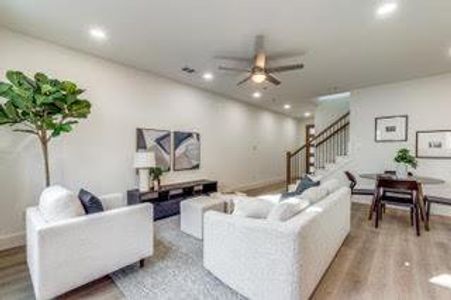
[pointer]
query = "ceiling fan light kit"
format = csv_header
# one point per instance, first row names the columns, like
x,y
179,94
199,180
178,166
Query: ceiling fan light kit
x,y
259,71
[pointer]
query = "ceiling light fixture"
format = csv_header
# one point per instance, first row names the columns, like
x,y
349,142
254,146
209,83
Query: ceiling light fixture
x,y
307,114
257,95
287,106
335,96
386,9
98,34
207,76
258,77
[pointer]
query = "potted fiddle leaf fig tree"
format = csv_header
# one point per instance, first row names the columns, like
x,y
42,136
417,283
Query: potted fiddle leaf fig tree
x,y
404,160
41,106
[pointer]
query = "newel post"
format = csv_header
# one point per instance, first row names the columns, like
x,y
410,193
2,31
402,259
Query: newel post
x,y
288,181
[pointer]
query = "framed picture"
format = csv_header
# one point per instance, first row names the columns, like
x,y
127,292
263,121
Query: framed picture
x,y
158,141
433,144
391,129
186,150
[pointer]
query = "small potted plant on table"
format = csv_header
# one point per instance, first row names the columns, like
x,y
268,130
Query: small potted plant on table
x,y
404,160
155,175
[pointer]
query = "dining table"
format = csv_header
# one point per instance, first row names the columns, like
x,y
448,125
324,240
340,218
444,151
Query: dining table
x,y
422,180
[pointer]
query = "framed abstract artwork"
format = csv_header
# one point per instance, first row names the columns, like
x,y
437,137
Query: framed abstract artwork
x,y
391,129
158,141
186,150
433,144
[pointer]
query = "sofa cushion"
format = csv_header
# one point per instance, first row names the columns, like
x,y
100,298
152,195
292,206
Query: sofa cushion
x,y
57,203
331,185
285,210
91,203
251,207
314,194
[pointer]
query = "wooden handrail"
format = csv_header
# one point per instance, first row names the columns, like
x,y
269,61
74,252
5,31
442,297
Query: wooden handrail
x,y
333,134
330,126
293,153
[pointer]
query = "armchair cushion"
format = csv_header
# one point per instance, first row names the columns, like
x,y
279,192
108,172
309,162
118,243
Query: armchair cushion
x,y
57,203
90,203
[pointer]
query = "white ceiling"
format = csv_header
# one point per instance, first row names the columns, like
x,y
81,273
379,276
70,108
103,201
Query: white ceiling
x,y
345,45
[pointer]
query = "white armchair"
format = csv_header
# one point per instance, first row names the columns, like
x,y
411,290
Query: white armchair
x,y
66,254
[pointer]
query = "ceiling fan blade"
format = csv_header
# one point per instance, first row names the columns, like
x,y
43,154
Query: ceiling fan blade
x,y
286,55
233,69
244,80
285,68
270,78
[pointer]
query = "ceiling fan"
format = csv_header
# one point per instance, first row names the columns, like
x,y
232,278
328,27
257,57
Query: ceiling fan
x,y
259,72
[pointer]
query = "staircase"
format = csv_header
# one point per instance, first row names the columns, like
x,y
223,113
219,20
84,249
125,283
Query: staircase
x,y
321,153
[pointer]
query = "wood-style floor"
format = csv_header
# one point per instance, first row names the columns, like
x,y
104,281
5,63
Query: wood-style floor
x,y
385,263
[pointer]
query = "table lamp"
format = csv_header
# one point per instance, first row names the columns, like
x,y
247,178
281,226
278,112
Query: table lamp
x,y
143,162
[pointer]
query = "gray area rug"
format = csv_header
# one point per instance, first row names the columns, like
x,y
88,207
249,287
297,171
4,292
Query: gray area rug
x,y
175,270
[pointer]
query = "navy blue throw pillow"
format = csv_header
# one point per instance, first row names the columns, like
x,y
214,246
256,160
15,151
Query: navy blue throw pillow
x,y
90,203
306,183
288,195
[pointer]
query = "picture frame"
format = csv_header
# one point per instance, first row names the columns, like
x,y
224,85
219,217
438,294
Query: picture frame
x,y
187,154
433,144
158,141
391,129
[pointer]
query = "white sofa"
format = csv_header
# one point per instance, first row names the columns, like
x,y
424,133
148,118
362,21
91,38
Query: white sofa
x,y
263,259
66,254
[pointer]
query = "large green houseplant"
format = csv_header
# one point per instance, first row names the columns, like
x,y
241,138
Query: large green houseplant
x,y
41,106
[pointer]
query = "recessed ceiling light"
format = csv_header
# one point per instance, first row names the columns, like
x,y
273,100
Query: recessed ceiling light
x,y
307,114
386,9
287,106
449,51
98,34
257,95
334,96
207,76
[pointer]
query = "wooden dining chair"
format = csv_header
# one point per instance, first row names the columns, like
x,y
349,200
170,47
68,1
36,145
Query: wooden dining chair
x,y
428,200
353,183
384,196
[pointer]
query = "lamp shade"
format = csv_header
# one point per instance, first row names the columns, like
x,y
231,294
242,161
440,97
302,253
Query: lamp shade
x,y
144,160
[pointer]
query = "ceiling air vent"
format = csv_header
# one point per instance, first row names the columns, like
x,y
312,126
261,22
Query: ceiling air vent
x,y
188,70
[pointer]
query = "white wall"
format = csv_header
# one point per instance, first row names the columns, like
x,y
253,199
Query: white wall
x,y
426,101
328,111
241,145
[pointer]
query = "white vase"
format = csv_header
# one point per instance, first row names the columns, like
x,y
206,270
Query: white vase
x,y
143,180
401,171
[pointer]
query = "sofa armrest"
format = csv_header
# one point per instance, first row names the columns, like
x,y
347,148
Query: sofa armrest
x,y
243,252
69,253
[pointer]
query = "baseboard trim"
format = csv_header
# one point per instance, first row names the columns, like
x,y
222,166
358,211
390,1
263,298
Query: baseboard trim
x,y
12,240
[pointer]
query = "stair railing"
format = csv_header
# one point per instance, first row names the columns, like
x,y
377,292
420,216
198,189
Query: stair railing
x,y
318,151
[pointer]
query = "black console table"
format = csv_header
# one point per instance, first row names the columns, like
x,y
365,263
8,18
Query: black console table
x,y
166,201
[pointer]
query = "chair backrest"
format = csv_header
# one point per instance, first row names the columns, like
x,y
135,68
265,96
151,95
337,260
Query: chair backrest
x,y
352,179
389,183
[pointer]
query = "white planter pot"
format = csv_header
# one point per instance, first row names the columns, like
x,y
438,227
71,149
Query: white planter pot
x,y
402,171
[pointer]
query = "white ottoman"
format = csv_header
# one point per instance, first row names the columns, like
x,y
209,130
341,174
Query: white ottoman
x,y
192,213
